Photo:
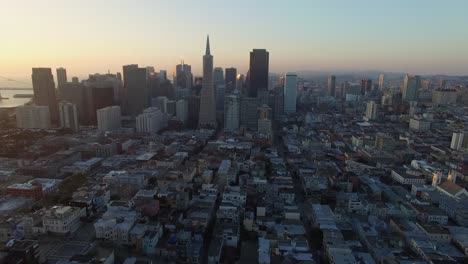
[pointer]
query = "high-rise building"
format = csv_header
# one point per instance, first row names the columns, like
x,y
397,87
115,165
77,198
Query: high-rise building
x,y
61,77
171,107
109,118
107,80
426,85
258,72
459,140
290,93
75,93
75,80
278,102
366,86
230,77
381,82
162,75
218,76
182,110
98,94
183,77
207,116
150,121
248,113
68,116
371,110
281,81
220,88
161,103
44,91
193,104
136,89
264,120
331,85
232,112
33,117
411,85
240,84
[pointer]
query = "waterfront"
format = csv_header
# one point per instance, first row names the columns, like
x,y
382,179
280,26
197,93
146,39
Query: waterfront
x,y
11,101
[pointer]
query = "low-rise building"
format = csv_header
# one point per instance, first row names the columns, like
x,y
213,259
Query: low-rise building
x,y
63,219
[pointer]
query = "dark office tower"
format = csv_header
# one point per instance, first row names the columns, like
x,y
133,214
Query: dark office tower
x,y
331,85
207,117
75,80
61,77
98,93
278,102
193,105
75,94
154,85
230,74
44,91
248,113
366,86
136,92
183,77
258,72
411,86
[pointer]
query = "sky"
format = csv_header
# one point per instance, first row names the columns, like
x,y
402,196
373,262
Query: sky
x,y
90,36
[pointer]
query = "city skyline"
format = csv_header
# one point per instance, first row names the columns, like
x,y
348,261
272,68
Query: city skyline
x,y
155,34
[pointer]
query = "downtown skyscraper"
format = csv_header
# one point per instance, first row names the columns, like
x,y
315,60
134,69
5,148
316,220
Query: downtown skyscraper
x,y
258,72
411,86
61,77
207,116
230,76
136,91
290,93
331,85
44,91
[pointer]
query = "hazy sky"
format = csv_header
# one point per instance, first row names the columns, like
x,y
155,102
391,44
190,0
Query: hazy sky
x,y
88,36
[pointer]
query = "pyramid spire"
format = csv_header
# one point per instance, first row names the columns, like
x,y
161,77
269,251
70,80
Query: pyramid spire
x,y
207,52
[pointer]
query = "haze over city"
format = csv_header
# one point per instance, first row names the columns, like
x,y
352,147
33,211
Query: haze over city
x,y
422,37
233,132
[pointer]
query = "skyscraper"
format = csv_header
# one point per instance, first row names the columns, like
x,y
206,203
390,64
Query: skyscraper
x,y
230,77
411,85
290,93
366,86
61,77
218,76
98,94
44,91
193,105
258,72
371,110
231,113
331,85
220,88
248,113
264,120
75,93
182,110
68,116
207,116
183,77
136,89
381,82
